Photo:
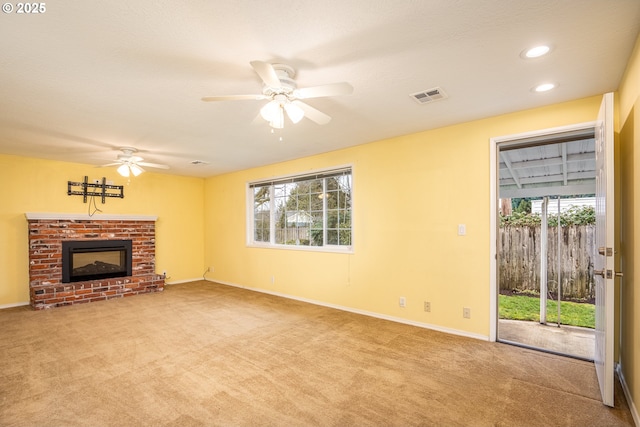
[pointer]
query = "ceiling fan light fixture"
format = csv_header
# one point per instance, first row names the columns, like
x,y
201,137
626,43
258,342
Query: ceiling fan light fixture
x,y
135,169
270,111
123,170
294,112
278,120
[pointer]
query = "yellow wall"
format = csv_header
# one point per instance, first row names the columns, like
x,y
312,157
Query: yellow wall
x,y
629,114
32,185
410,193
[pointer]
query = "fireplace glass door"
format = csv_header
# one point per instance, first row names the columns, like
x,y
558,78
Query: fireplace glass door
x,y
95,259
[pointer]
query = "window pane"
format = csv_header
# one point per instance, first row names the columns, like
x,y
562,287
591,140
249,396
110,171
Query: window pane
x,y
332,237
332,218
345,237
261,214
344,219
315,202
316,229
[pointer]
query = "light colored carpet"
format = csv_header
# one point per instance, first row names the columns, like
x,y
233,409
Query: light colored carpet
x,y
204,354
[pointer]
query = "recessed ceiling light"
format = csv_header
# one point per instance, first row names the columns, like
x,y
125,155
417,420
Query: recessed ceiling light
x,y
535,52
544,87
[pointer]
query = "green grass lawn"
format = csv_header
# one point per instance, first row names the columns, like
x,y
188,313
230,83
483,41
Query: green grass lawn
x,y
517,307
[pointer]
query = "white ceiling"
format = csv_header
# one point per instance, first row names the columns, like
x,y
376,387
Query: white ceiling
x,y
86,77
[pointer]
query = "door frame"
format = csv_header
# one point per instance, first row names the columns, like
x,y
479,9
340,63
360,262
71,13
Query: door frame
x,y
494,206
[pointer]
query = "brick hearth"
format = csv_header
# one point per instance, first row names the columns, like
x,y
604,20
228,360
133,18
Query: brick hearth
x,y
46,233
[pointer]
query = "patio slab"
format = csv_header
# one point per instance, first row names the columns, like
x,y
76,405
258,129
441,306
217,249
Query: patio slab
x,y
568,340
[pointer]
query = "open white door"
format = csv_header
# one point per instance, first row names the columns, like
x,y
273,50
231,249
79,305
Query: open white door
x,y
604,268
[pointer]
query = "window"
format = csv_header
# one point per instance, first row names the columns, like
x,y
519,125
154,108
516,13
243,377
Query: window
x,y
311,210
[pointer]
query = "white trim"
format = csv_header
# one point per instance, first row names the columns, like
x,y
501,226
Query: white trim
x,y
301,174
14,304
335,249
543,132
627,394
493,249
86,217
248,216
177,282
357,311
493,205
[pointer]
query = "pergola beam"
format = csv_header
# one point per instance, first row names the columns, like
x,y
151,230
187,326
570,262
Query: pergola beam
x,y
536,192
507,162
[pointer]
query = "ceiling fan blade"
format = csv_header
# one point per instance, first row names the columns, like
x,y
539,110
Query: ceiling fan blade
x,y
312,114
332,89
267,73
233,98
152,165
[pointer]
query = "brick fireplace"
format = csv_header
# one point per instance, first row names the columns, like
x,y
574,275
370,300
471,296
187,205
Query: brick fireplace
x,y
48,231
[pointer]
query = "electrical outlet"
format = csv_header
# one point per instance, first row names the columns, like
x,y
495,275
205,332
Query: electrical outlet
x,y
211,269
273,279
466,312
427,306
164,273
403,302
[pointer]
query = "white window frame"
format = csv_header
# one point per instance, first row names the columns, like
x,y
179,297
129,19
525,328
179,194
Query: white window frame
x,y
250,209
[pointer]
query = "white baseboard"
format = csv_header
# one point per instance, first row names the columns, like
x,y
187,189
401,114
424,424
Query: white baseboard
x,y
362,312
177,282
627,394
15,304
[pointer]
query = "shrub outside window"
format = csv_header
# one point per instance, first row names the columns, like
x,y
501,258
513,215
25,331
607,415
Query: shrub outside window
x,y
311,210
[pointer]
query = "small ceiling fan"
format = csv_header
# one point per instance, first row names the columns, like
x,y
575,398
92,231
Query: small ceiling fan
x,y
128,163
284,96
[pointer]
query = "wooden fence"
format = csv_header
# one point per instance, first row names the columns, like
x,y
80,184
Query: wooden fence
x,y
292,234
519,260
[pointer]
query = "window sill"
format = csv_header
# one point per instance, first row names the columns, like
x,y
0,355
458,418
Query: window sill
x,y
329,249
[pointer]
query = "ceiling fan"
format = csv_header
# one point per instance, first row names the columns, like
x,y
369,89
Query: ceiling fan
x,y
128,163
284,95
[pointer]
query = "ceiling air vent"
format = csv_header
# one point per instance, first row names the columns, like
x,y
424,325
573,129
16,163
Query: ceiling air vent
x,y
429,95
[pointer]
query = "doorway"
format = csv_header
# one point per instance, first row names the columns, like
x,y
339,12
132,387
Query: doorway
x,y
545,251
604,271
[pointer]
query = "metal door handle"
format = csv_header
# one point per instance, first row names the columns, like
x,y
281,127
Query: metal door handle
x,y
607,273
605,251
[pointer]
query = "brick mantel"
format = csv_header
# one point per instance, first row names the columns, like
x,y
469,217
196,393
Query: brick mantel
x,y
48,230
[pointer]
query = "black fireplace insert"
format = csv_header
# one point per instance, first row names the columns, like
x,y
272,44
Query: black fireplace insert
x,y
95,259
